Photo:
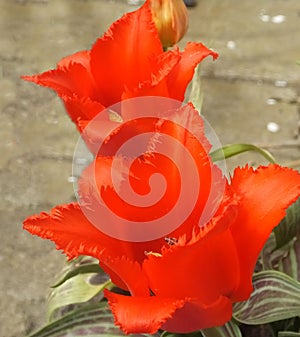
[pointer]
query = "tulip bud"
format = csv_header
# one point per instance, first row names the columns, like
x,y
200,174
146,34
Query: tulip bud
x,y
171,20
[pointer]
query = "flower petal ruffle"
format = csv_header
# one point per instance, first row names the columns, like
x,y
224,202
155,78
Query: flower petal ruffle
x,y
141,314
195,315
115,65
129,272
205,269
264,194
183,72
67,226
67,80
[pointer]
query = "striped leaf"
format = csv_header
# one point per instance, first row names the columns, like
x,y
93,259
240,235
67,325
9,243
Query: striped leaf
x,y
81,280
285,259
81,269
78,289
289,263
289,227
90,321
276,296
171,334
230,329
80,265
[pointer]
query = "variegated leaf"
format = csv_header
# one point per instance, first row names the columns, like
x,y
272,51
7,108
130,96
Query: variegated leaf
x,y
276,296
289,227
90,321
230,329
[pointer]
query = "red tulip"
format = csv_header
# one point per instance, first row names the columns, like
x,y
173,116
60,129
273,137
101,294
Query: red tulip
x,y
190,281
191,285
187,278
127,61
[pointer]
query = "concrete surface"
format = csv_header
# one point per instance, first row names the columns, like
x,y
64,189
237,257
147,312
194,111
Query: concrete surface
x,y
255,81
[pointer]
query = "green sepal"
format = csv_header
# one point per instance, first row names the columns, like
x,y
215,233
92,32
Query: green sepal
x,y
196,94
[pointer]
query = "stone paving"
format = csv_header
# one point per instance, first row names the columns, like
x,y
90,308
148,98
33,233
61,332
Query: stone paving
x,y
254,82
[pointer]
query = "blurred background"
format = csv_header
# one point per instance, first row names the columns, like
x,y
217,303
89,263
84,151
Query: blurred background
x,y
251,94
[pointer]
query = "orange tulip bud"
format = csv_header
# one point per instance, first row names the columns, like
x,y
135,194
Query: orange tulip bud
x,y
171,20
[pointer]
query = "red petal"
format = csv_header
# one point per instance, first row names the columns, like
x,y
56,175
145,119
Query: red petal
x,y
82,57
101,201
205,269
182,74
129,272
83,109
187,168
265,195
67,226
156,82
114,199
72,232
97,132
196,316
141,314
115,65
74,79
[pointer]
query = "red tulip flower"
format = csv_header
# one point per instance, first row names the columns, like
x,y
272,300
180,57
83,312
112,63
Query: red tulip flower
x,y
188,279
127,61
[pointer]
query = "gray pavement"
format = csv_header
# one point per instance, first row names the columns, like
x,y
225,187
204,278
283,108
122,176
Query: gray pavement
x,y
255,82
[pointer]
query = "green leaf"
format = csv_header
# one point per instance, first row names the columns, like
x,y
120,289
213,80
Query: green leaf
x,y
230,329
171,334
231,150
196,95
78,289
91,321
81,269
289,261
285,259
71,268
288,334
289,226
276,296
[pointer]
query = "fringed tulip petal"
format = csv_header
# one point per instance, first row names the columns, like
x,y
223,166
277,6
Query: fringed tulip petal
x,y
195,315
83,109
141,314
67,226
70,80
182,74
114,63
81,57
130,273
264,194
205,269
